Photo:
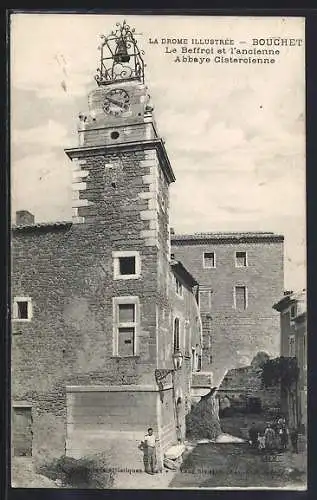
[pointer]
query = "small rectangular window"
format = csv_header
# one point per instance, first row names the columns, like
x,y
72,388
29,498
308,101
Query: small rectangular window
x,y
22,309
210,360
241,259
126,265
240,297
209,260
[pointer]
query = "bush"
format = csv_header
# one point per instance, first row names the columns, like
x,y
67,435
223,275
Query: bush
x,y
260,359
282,370
86,472
203,419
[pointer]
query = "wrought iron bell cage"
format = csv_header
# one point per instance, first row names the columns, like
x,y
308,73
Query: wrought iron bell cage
x,y
120,57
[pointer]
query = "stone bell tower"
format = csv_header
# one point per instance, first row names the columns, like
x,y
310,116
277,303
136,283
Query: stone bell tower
x,y
118,139
121,178
143,310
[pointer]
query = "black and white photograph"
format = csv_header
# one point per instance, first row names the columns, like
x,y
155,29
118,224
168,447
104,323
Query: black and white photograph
x,y
158,251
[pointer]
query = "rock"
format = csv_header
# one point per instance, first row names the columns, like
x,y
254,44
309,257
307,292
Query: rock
x,y
228,438
175,452
170,464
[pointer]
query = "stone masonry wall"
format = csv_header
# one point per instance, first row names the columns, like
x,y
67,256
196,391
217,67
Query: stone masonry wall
x,y
233,337
69,340
67,271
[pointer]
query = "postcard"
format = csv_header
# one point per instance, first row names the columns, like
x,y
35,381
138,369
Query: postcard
x,y
158,245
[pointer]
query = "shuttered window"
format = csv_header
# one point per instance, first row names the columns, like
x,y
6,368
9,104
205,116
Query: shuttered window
x,y
126,322
209,260
241,259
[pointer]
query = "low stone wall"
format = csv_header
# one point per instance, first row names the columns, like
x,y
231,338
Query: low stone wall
x,y
240,385
202,379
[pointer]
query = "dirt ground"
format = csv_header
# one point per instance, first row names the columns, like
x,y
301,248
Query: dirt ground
x,y
210,465
238,465
23,475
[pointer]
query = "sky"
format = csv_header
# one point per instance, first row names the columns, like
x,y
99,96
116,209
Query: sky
x,y
234,133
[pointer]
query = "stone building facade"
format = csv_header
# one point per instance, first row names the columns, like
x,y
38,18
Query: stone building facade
x,y
105,326
240,276
293,323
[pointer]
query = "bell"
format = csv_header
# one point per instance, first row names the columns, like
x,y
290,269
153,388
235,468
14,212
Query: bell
x,y
121,53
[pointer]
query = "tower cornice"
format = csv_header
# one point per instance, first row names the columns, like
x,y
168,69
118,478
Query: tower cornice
x,y
158,144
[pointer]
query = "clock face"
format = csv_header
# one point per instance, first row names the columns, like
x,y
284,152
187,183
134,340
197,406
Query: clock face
x,y
116,101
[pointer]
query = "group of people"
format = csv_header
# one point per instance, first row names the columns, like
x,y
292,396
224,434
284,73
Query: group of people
x,y
274,437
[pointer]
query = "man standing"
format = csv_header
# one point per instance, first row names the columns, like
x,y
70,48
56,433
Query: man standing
x,y
149,449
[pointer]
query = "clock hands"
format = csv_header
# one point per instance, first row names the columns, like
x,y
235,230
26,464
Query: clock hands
x,y
117,103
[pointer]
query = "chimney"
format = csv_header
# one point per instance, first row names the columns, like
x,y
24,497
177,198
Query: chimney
x,y
24,218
